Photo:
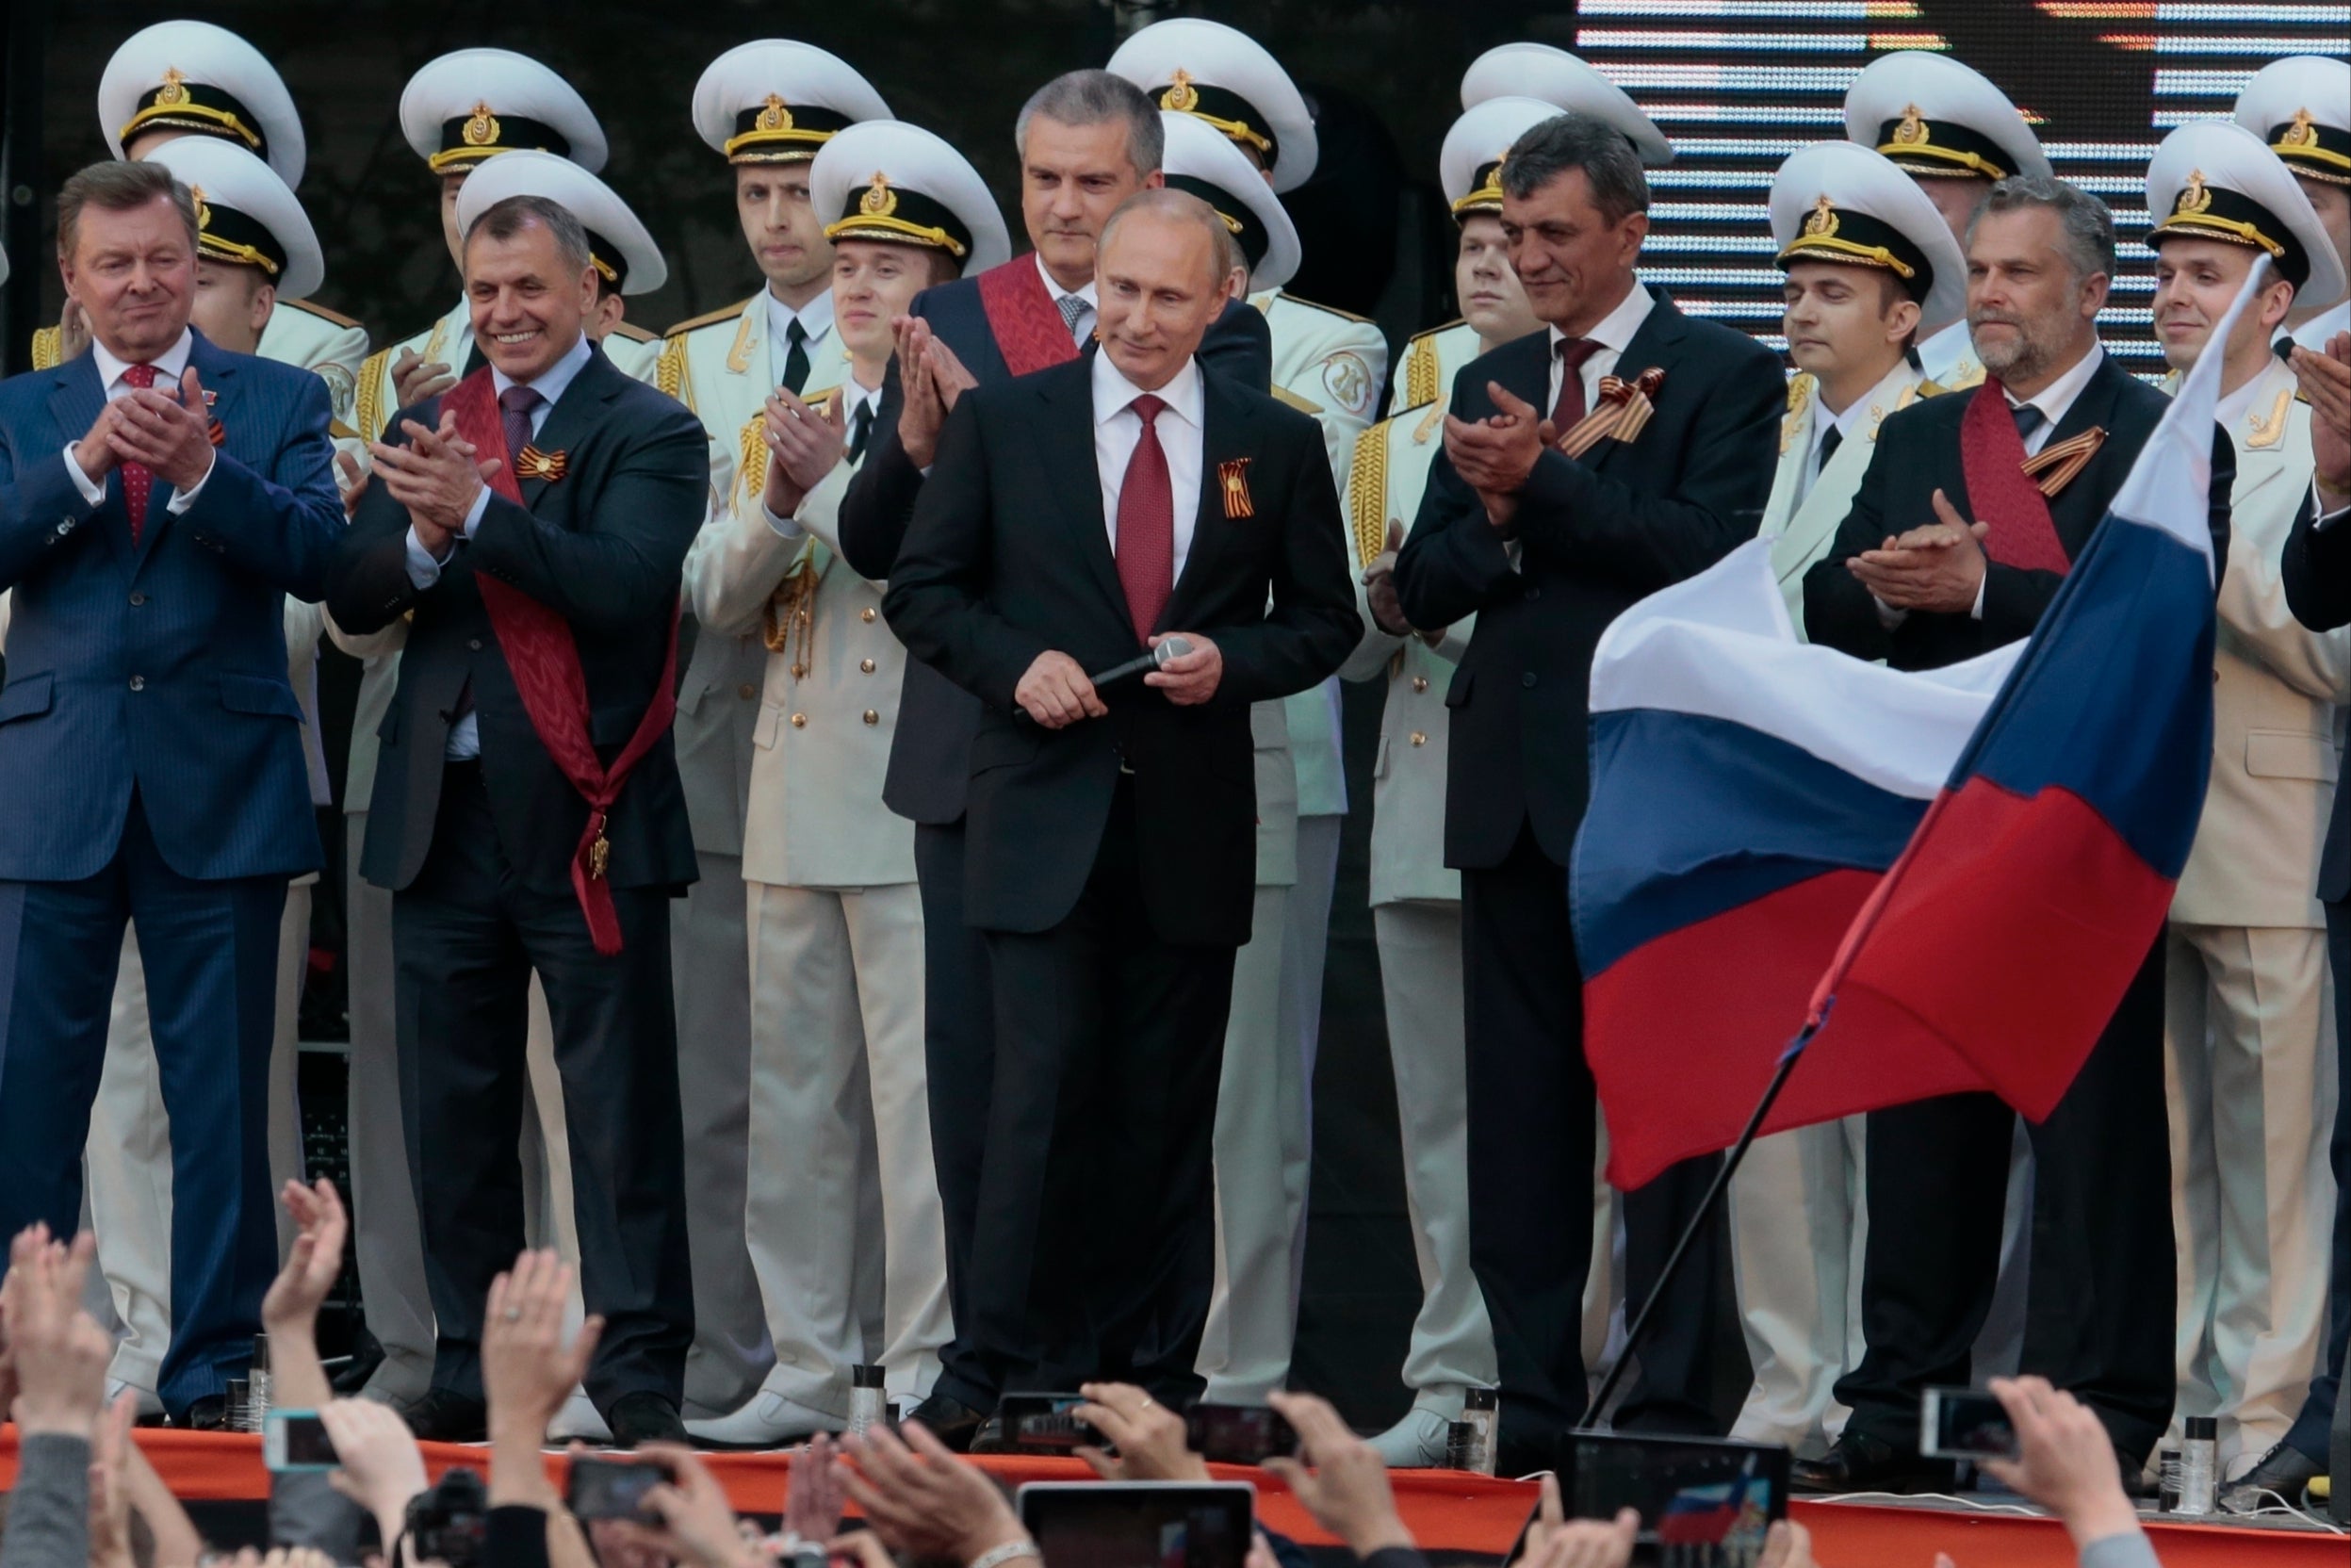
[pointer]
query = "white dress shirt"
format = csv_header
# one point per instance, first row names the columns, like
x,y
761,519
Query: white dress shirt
x,y
1614,334
465,736
1083,330
815,318
169,366
1119,430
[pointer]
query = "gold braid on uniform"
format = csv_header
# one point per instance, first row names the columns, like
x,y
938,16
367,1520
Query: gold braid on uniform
x,y
790,614
669,372
367,410
48,343
1367,492
1420,372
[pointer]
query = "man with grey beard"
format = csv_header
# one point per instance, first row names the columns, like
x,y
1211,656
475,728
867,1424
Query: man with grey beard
x,y
1959,536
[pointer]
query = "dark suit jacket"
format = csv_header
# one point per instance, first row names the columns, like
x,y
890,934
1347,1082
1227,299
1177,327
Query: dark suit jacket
x,y
161,669
1596,532
2317,572
603,546
1918,453
929,757
1010,556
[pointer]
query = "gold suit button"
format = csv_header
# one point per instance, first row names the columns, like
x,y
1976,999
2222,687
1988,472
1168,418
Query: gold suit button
x,y
799,721
746,691
1420,684
872,717
866,614
866,665
1419,739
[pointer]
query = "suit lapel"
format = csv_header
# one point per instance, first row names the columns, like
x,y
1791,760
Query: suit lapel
x,y
75,396
1656,342
2262,435
2095,406
1067,433
574,417
1226,434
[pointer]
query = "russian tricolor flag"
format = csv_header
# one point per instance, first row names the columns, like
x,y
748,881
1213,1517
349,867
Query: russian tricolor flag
x,y
1932,881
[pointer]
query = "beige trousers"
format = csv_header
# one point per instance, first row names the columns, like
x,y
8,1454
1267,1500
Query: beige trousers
x,y
1799,1224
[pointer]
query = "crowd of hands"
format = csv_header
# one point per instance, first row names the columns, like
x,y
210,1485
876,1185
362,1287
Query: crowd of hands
x,y
920,1502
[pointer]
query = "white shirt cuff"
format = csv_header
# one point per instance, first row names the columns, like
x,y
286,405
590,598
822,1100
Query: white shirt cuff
x,y
785,528
94,491
2326,521
423,571
1888,616
182,499
1976,612
473,513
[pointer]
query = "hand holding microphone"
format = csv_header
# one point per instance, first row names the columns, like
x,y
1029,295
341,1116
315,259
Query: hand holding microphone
x,y
1056,693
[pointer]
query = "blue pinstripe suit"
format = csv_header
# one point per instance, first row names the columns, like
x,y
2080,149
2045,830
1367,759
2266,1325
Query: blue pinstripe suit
x,y
151,771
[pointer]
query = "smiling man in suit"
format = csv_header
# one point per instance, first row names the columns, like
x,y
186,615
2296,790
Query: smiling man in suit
x,y
526,813
1545,543
160,497
1073,519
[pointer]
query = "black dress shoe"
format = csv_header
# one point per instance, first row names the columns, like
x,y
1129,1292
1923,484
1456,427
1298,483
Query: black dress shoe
x,y
644,1418
2287,1472
207,1415
1864,1463
950,1420
444,1415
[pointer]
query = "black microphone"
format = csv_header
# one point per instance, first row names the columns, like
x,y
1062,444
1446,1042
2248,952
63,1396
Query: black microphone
x,y
1169,647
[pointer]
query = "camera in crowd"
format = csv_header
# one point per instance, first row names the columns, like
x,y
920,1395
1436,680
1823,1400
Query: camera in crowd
x,y
450,1522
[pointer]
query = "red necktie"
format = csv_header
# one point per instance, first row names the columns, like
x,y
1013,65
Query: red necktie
x,y
1569,411
138,480
1145,547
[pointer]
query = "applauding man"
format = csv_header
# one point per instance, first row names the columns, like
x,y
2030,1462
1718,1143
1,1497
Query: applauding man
x,y
160,497
527,812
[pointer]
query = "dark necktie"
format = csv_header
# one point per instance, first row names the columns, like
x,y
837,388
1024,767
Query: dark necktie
x,y
796,356
1569,411
138,480
1147,524
2028,419
861,427
513,412
1073,310
1829,443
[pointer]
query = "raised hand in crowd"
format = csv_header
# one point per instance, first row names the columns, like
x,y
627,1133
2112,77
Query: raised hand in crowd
x,y
1338,1478
1149,1436
2324,379
59,1352
923,407
110,1487
2065,1461
698,1524
380,1467
923,1499
528,1372
289,1311
415,377
813,1497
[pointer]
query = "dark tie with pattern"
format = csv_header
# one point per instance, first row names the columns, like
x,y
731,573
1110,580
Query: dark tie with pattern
x,y
1073,310
513,412
1570,409
796,356
138,480
2028,419
1147,524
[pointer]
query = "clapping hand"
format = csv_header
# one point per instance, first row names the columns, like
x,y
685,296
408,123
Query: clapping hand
x,y
436,477
1936,566
812,1492
803,444
1494,455
2326,382
415,377
922,404
921,1499
313,1264
60,1352
169,432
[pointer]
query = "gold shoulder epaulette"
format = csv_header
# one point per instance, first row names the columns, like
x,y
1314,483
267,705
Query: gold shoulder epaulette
x,y
751,467
634,335
46,342
1440,327
1283,394
1328,310
1930,387
1423,375
1367,492
312,307
1799,398
669,372
338,431
725,313
369,412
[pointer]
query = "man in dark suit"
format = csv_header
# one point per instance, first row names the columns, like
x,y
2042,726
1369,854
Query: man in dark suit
x,y
1545,547
2317,573
1088,140
528,815
160,497
1073,519
1958,539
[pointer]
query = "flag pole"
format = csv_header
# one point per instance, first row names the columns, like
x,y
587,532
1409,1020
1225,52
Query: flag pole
x,y
1698,1222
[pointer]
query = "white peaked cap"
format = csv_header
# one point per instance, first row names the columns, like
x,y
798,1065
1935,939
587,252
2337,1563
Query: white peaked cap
x,y
475,103
886,180
1840,202
1931,115
776,101
245,213
1559,78
1229,81
624,252
203,80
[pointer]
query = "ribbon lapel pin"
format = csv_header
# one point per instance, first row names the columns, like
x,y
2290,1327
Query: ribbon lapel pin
x,y
533,463
1626,407
1232,478
2054,465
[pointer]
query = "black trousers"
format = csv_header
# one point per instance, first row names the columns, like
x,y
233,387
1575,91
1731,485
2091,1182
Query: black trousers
x,y
2099,1303
1094,1249
959,1057
465,937
1531,1148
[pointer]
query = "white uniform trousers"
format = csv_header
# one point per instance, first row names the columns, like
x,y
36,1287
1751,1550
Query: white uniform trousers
x,y
1799,1224
839,1115
2250,1073
1420,972
126,1165
709,958
1264,1151
384,1236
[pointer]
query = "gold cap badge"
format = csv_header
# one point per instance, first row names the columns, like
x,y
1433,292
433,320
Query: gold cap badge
x,y
775,117
1822,223
880,201
172,93
1912,132
1180,96
480,130
203,213
2194,197
2302,133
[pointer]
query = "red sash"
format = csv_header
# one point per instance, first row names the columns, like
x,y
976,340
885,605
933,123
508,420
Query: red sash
x,y
1020,312
2001,493
544,661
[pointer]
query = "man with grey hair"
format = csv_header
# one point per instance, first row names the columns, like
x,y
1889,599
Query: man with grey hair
x,y
1961,534
532,522
1548,512
1117,505
1087,142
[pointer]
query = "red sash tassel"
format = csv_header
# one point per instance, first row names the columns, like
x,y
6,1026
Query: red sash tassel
x,y
545,660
